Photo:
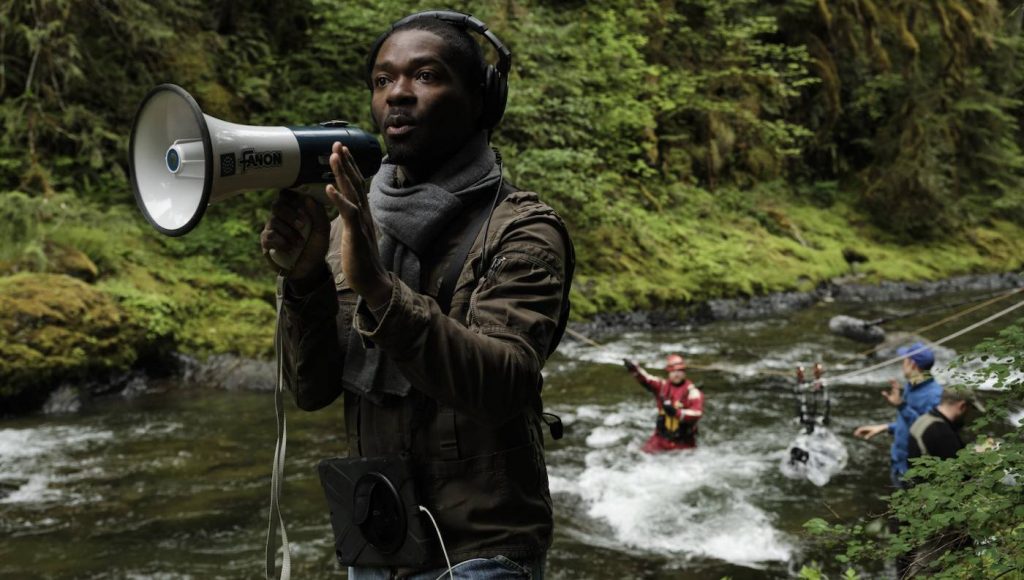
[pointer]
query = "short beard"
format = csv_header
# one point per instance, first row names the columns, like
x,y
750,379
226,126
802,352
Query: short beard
x,y
421,161
401,153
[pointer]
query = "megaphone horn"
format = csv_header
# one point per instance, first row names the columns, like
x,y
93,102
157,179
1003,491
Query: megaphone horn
x,y
181,159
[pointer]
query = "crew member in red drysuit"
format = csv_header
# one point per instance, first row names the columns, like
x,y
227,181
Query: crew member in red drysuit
x,y
680,405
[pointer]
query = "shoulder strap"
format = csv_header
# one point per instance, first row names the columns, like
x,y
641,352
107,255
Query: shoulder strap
x,y
449,440
447,290
919,427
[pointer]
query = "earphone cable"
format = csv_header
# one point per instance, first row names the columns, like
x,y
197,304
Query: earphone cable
x,y
440,539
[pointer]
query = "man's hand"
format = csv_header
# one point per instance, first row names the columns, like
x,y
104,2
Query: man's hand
x,y
669,408
868,431
291,214
894,396
360,259
630,365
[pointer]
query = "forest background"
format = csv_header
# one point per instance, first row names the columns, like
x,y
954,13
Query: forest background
x,y
697,149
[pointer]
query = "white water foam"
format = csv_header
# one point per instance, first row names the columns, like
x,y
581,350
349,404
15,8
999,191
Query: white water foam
x,y
972,372
641,347
32,457
692,504
650,353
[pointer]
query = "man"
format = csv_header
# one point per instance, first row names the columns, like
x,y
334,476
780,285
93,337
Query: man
x,y
937,433
364,308
680,405
916,397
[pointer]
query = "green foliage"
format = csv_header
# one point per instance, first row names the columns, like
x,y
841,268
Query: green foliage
x,y
921,109
19,221
812,573
730,87
967,513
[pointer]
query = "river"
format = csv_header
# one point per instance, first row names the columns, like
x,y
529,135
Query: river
x,y
172,481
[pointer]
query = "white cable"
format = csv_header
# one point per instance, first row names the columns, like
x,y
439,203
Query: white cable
x,y
443,549
844,376
276,479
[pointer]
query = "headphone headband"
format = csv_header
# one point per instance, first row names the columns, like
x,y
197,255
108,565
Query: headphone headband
x,y
467,21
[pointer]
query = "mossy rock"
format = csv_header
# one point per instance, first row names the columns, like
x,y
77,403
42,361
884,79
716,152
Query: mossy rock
x,y
54,328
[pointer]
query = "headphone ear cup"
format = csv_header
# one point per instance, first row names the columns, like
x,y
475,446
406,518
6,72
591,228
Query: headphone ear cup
x,y
495,97
501,96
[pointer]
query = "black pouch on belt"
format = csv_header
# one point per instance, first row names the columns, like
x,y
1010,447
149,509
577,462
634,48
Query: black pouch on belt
x,y
375,512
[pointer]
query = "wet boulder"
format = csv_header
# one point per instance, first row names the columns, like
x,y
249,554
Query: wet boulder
x,y
230,372
856,329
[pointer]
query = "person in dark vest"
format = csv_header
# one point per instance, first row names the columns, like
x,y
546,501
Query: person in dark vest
x,y
937,432
920,394
443,370
680,405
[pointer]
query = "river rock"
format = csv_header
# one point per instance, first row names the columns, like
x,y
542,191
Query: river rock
x,y
856,329
65,400
836,290
229,372
895,291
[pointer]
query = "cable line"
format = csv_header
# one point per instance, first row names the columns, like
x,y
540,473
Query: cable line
x,y
949,318
942,340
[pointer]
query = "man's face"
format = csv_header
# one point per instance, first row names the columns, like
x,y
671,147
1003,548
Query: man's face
x,y
959,417
677,377
909,368
421,104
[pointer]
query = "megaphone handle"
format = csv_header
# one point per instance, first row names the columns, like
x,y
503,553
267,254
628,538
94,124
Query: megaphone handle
x,y
285,261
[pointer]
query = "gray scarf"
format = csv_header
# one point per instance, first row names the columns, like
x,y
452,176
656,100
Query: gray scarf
x,y
409,220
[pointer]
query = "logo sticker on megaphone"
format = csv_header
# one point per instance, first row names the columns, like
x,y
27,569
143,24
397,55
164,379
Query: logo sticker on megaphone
x,y
182,160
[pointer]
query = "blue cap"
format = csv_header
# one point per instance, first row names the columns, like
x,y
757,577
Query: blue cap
x,y
922,356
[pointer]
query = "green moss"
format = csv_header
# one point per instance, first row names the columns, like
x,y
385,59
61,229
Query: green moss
x,y
68,260
771,244
55,326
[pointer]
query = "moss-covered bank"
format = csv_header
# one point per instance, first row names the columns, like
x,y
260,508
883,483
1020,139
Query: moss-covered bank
x,y
766,243
55,327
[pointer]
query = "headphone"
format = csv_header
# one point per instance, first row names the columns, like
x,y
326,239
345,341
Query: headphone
x,y
495,86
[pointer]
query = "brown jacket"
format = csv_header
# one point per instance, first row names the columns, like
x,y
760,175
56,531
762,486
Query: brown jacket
x,y
471,421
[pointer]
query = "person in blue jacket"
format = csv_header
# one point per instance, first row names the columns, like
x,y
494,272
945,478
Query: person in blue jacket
x,y
920,394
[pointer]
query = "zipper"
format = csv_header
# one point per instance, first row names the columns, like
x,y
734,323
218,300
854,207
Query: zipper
x,y
480,283
492,270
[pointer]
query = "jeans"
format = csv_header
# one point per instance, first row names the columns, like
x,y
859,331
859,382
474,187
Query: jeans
x,y
896,477
496,568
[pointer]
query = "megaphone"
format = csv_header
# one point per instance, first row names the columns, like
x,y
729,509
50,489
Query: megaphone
x,y
181,159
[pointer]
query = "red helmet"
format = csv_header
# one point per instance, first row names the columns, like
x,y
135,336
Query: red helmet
x,y
674,362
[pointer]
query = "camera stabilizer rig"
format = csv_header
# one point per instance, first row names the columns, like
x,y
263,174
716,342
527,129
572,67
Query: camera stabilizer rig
x,y
813,406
